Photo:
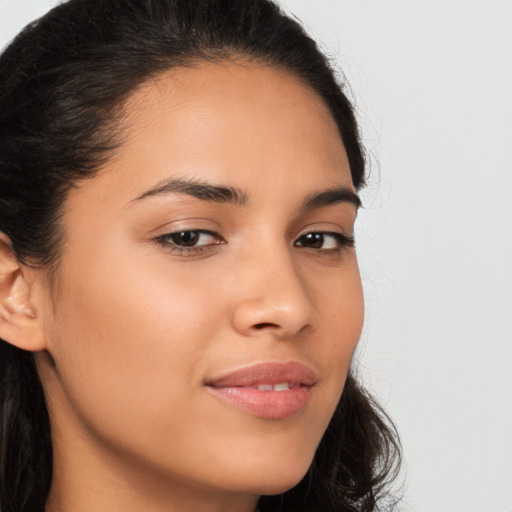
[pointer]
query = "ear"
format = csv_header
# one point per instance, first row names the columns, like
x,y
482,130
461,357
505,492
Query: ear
x,y
20,323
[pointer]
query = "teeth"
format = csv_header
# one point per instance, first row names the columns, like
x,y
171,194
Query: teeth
x,y
282,386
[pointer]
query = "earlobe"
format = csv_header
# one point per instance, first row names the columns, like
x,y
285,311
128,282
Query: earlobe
x,y
20,324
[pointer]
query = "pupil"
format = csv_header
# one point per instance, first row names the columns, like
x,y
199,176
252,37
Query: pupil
x,y
315,240
186,238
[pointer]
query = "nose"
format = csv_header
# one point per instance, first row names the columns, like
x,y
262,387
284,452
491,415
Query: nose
x,y
273,298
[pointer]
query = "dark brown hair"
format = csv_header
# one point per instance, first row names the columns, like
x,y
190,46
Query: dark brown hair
x,y
63,82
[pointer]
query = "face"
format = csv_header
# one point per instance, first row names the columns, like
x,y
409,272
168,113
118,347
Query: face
x,y
208,302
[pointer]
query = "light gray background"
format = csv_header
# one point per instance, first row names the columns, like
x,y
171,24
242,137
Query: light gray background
x,y
433,83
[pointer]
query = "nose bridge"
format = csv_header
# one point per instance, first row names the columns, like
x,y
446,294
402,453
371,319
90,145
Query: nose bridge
x,y
273,296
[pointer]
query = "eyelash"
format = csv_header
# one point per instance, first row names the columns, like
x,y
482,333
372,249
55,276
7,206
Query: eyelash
x,y
341,240
167,241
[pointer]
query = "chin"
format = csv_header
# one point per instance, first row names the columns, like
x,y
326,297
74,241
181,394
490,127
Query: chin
x,y
272,477
266,461
279,485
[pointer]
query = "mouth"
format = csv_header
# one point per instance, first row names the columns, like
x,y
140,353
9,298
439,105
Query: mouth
x,y
267,390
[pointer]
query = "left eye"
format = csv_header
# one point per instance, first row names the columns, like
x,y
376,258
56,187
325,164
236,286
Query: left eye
x,y
190,238
324,241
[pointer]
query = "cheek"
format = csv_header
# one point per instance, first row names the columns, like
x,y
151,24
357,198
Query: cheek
x,y
341,308
128,342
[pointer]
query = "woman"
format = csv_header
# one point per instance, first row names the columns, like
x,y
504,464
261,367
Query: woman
x,y
180,297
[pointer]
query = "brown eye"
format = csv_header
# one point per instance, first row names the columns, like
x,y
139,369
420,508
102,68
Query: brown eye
x,y
190,238
312,240
324,241
185,238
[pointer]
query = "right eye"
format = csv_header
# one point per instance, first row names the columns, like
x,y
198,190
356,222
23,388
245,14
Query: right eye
x,y
189,241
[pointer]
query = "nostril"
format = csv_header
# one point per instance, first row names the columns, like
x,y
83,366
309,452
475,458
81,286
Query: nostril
x,y
265,325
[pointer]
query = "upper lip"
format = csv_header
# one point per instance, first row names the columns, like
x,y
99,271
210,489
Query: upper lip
x,y
266,373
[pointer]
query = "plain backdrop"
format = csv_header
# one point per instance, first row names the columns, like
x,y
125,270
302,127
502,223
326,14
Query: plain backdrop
x,y
432,82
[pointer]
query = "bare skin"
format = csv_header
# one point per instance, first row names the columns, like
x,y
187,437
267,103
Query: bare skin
x,y
139,323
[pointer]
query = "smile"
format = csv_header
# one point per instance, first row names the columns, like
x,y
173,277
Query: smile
x,y
282,386
268,390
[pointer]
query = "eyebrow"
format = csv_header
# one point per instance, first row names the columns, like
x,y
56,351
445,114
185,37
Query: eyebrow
x,y
201,190
238,197
331,196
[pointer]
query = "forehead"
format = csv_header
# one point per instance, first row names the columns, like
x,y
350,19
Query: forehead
x,y
231,123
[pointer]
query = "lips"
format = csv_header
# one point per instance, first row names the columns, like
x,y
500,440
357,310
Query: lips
x,y
267,390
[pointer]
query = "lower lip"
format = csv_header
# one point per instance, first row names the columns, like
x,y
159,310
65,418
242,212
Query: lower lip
x,y
273,405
